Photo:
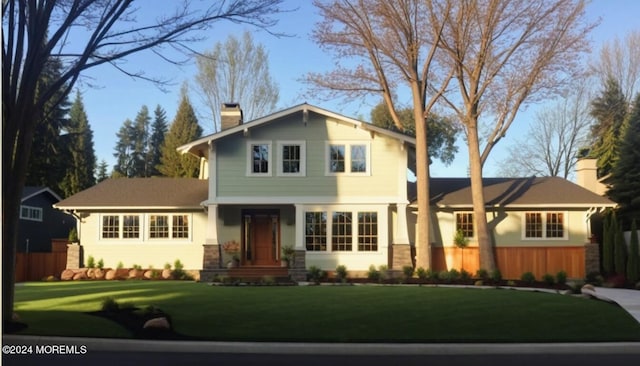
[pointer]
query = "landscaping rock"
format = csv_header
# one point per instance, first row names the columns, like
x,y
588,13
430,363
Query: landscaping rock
x,y
80,276
122,274
110,275
157,323
67,275
148,274
135,273
588,289
99,274
166,274
91,273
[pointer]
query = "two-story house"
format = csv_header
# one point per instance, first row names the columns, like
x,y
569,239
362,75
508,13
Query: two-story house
x,y
332,188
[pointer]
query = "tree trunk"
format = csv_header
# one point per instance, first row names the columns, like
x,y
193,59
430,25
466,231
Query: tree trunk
x,y
485,247
423,245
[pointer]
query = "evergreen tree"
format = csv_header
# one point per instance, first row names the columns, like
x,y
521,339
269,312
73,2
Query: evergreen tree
x,y
124,152
625,175
46,164
81,156
158,130
633,261
619,248
102,172
140,143
185,128
609,110
608,237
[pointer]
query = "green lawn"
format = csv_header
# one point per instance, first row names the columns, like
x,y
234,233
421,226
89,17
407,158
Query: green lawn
x,y
329,313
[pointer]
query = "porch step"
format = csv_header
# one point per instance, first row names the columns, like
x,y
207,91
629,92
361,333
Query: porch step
x,y
258,272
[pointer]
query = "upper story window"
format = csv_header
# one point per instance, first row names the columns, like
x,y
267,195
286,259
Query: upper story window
x,y
464,223
31,213
291,158
259,156
350,158
544,225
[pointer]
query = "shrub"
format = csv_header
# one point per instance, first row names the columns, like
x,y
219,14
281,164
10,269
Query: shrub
x,y
424,274
101,263
407,272
454,275
528,277
444,276
561,278
511,283
167,265
268,280
496,275
178,272
482,274
465,275
548,279
315,274
478,283
110,305
341,272
373,274
594,278
91,262
177,265
384,272
120,265
137,266
73,235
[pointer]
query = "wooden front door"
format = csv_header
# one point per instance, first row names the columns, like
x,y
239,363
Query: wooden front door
x,y
261,239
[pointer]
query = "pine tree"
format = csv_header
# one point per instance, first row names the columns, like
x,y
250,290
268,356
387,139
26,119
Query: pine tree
x,y
625,175
609,110
158,130
102,171
185,128
633,261
608,238
140,143
46,163
81,156
124,151
619,248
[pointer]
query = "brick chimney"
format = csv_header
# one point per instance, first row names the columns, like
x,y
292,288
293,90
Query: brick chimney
x,y
230,115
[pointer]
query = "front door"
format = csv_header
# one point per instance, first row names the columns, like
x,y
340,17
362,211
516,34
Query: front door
x,y
261,244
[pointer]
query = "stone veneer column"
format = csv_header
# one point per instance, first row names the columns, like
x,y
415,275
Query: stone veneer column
x,y
400,256
591,258
298,271
211,257
74,256
401,249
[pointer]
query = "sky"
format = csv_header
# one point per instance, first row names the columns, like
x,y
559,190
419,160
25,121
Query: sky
x,y
110,97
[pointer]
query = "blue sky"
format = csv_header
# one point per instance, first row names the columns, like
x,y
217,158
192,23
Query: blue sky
x,y
114,97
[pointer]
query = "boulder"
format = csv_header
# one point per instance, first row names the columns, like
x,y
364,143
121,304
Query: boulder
x,y
148,274
157,323
122,274
82,275
99,274
67,275
110,275
588,289
166,274
135,273
91,273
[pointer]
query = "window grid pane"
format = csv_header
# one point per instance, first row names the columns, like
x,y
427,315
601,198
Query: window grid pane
x,y
316,231
555,225
260,158
464,222
131,227
336,159
358,158
180,227
368,231
111,227
341,237
291,159
533,225
158,226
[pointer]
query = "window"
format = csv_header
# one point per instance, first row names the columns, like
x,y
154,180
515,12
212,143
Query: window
x,y
350,158
316,231
341,232
539,225
131,227
291,160
367,231
180,227
111,227
464,223
259,158
31,213
158,226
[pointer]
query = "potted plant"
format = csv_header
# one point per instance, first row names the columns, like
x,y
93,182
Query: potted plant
x,y
232,249
461,242
73,236
288,254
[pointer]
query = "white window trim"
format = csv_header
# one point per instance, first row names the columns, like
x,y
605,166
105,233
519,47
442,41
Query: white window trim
x,y
347,158
303,158
170,216
145,228
31,209
565,226
249,162
455,223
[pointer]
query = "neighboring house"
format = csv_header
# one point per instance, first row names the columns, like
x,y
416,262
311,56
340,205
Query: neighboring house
x,y
39,221
332,187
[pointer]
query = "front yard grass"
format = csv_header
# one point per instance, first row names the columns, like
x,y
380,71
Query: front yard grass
x,y
328,313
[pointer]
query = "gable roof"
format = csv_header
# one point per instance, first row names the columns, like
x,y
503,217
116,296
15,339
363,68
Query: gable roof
x,y
513,192
140,193
199,147
32,191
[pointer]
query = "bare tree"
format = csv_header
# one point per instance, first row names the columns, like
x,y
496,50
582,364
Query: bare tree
x,y
620,59
552,144
505,53
381,46
103,32
237,71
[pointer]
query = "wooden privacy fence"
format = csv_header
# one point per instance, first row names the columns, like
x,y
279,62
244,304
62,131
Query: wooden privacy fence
x,y
36,266
514,261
